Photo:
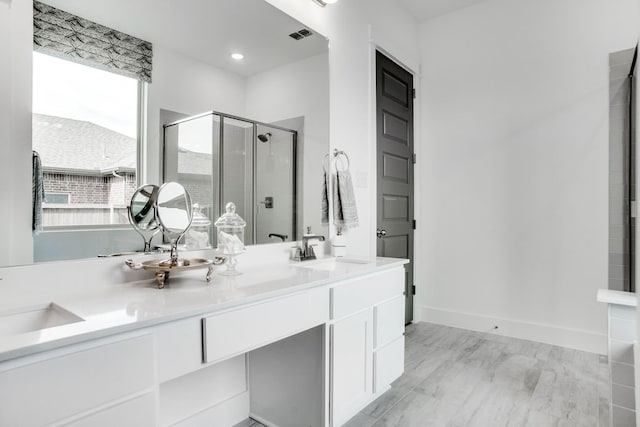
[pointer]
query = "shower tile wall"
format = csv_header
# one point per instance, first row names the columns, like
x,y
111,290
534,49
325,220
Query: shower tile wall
x,y
619,227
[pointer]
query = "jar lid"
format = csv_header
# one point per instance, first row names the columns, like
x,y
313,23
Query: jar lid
x,y
230,218
199,219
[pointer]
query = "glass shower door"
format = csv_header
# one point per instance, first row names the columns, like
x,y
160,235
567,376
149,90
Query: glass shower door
x,y
221,159
191,158
236,170
275,186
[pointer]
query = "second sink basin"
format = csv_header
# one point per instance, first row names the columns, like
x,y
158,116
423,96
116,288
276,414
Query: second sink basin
x,y
332,264
34,318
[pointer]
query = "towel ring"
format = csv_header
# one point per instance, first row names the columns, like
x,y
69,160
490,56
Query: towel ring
x,y
336,153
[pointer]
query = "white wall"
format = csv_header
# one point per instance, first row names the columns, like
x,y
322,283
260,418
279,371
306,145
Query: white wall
x,y
16,41
294,90
514,166
187,86
353,27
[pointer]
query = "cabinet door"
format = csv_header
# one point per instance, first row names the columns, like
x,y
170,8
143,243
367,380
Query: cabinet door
x,y
351,365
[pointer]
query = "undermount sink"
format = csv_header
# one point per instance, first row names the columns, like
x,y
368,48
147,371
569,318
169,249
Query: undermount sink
x,y
35,318
332,264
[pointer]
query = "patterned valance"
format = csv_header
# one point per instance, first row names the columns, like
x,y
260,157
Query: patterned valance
x,y
70,37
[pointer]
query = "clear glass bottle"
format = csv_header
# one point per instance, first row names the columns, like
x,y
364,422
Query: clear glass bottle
x,y
230,234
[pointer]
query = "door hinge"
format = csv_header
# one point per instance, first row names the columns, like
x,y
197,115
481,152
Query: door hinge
x,y
413,289
413,93
414,224
414,158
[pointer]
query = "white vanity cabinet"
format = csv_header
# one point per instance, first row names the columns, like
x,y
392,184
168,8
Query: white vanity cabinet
x,y
312,355
101,383
367,342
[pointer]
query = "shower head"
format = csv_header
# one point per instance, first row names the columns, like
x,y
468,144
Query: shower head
x,y
264,137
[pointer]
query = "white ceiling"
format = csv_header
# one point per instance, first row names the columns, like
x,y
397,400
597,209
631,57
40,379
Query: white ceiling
x,y
427,9
207,30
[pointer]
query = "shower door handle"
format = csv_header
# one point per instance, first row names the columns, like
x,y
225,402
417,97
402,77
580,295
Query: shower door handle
x,y
268,202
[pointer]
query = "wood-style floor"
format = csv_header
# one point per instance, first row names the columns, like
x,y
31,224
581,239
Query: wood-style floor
x,y
456,377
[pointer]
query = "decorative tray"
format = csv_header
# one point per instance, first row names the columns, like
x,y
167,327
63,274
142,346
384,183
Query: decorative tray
x,y
163,268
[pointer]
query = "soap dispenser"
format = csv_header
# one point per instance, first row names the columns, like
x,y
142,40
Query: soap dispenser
x,y
339,244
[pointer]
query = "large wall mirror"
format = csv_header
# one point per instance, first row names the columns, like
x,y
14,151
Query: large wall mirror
x,y
271,113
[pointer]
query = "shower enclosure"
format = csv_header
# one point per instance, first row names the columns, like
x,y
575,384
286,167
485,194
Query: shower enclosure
x,y
623,102
222,158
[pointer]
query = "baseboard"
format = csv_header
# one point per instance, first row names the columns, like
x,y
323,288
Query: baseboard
x,y
565,337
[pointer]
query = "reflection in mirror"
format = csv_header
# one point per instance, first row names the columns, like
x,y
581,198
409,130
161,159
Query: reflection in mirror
x,y
282,81
142,213
275,184
174,211
222,158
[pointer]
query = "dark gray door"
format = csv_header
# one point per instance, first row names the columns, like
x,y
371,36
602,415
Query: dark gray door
x,y
394,113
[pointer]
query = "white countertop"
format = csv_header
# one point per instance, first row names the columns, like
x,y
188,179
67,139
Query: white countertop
x,y
121,307
617,297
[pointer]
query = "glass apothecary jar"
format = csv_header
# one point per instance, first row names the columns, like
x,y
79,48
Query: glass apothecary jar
x,y
230,231
198,235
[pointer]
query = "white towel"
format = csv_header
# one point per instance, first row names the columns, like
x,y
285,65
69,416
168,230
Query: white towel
x,y
345,214
37,193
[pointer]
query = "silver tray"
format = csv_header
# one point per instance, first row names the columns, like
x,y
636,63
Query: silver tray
x,y
165,267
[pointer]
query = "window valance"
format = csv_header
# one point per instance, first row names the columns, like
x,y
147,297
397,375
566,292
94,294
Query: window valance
x,y
71,37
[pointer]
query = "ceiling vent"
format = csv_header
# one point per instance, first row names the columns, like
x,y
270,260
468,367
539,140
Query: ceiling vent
x,y
299,35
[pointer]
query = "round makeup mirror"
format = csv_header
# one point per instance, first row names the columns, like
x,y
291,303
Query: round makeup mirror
x,y
174,213
142,213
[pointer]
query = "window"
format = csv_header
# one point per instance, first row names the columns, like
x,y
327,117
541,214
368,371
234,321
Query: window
x,y
85,129
57,198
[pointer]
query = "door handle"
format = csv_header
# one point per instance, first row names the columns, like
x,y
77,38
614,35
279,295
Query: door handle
x,y
381,233
268,202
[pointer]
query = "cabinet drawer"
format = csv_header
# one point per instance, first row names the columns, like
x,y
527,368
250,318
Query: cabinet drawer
x,y
73,383
238,331
388,323
358,294
388,364
137,412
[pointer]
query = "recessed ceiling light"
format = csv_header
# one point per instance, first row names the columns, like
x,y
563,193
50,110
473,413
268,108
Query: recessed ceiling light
x,y
237,56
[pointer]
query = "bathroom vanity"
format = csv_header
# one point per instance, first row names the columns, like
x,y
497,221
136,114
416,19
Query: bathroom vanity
x,y
289,344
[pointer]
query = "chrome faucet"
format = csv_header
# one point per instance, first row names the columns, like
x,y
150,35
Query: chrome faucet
x,y
307,250
283,237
